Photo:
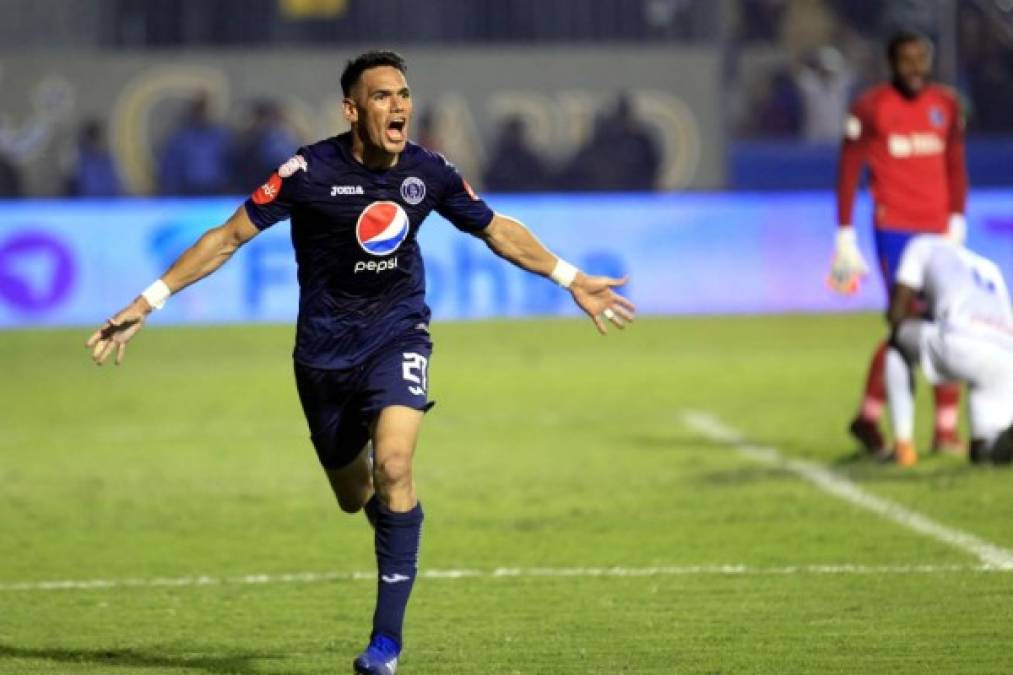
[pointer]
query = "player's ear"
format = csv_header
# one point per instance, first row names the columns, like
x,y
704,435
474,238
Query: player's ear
x,y
349,109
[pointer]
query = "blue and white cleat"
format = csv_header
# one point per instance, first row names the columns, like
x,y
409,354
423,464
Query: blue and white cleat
x,y
380,657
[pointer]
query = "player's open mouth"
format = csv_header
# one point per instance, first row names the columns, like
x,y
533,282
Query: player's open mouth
x,y
395,131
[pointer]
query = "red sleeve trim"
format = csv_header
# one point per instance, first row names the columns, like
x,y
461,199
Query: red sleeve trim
x,y
956,166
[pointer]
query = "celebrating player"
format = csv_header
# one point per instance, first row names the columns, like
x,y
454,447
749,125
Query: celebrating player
x,y
970,340
910,133
356,202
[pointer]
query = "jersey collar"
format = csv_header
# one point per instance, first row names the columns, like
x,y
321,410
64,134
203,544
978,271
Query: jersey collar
x,y
407,159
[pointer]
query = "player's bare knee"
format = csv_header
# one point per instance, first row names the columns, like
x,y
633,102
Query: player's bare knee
x,y
393,472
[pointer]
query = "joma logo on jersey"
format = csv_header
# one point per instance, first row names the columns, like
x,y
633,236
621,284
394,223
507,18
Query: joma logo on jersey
x,y
914,145
346,190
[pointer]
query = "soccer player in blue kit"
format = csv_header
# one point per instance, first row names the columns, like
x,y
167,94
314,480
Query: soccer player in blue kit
x,y
356,202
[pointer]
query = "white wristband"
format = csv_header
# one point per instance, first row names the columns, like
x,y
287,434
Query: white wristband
x,y
564,273
846,236
156,294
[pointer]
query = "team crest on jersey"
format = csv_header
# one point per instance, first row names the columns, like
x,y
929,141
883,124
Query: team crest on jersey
x,y
937,117
413,190
382,227
295,163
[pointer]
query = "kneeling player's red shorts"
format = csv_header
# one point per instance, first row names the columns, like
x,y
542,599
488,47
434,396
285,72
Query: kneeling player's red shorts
x,y
340,405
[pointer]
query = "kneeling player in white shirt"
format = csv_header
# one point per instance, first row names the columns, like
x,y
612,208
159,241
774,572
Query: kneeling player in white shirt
x,y
966,335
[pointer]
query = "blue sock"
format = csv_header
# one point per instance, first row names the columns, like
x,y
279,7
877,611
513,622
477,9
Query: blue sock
x,y
397,555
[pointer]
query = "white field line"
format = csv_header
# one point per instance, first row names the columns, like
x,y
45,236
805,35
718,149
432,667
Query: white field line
x,y
498,573
990,555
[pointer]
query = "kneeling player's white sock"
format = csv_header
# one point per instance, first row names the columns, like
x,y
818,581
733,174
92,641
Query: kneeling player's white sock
x,y
900,395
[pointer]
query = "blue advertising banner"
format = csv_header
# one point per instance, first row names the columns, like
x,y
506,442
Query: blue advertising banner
x,y
75,262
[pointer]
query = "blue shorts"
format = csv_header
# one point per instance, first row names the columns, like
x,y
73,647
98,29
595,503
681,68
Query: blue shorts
x,y
341,405
889,247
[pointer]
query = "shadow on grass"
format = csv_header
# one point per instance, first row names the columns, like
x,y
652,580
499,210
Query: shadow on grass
x,y
858,465
863,467
748,475
134,659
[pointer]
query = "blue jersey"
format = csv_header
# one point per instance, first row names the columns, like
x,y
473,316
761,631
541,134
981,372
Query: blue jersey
x,y
361,277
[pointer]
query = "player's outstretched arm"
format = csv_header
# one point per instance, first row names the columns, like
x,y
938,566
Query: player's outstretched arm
x,y
206,255
848,266
510,240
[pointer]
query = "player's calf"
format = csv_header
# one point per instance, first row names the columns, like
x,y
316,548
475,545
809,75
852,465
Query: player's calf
x,y
397,523
946,440
353,484
397,539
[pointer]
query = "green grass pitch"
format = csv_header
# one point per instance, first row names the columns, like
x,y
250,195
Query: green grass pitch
x,y
550,447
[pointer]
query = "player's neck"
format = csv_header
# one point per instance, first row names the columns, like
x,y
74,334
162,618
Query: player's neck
x,y
905,92
372,157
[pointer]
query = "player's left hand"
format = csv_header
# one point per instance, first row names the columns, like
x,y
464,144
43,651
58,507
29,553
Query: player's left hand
x,y
116,332
595,296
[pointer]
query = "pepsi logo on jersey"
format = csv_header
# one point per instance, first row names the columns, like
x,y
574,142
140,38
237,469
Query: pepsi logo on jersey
x,y
381,229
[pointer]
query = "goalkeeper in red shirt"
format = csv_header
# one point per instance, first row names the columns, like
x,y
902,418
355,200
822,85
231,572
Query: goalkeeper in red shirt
x,y
909,132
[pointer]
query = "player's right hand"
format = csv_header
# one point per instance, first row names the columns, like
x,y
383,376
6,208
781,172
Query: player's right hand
x,y
116,332
848,265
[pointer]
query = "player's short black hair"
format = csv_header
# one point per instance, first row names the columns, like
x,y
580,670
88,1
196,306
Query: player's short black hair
x,y
371,59
901,38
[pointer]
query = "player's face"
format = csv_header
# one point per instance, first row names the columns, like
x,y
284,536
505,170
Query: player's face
x,y
912,64
381,109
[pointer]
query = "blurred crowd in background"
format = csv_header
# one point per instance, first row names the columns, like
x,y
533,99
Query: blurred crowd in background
x,y
204,156
791,67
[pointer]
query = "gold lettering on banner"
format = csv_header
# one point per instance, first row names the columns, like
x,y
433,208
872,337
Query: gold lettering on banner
x,y
557,123
132,139
679,132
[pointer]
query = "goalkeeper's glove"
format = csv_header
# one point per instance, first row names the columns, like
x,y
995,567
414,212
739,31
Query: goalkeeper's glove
x,y
848,266
957,228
